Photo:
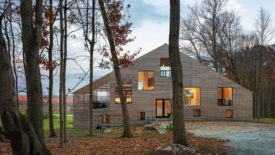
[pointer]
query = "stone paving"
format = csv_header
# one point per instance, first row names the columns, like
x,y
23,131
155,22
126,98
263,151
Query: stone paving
x,y
246,137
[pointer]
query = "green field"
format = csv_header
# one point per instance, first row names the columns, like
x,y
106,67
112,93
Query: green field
x,y
56,122
71,132
267,120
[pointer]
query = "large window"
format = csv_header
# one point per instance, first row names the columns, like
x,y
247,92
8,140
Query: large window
x,y
127,86
163,108
101,96
146,80
165,67
225,96
192,96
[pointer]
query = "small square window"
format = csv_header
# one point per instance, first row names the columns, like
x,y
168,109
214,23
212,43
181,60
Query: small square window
x,y
141,116
196,113
165,67
105,118
229,113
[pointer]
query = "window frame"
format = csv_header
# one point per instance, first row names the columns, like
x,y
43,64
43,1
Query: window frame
x,y
163,108
195,112
154,79
165,71
223,98
102,118
226,113
199,95
139,113
131,92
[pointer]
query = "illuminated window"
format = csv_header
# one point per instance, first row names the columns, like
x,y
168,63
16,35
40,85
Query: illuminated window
x,y
127,86
146,80
141,116
165,67
225,96
196,113
163,108
105,118
192,96
229,113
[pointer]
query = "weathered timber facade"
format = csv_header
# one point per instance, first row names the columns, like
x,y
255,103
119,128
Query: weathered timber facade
x,y
209,96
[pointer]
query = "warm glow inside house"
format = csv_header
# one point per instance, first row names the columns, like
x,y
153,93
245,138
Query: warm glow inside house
x,y
148,88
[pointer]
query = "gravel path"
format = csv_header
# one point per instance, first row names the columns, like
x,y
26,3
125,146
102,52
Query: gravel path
x,y
246,137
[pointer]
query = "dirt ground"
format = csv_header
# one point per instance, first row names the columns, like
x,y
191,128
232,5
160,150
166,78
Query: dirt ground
x,y
245,137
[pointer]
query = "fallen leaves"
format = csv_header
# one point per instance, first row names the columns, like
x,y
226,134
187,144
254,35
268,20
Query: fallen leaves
x,y
144,142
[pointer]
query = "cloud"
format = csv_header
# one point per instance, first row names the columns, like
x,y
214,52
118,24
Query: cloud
x,y
161,6
236,6
191,2
149,35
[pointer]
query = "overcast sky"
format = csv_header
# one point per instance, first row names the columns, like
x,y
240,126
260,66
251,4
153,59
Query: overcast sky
x,y
151,26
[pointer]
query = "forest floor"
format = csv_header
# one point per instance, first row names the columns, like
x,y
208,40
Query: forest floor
x,y
143,142
203,136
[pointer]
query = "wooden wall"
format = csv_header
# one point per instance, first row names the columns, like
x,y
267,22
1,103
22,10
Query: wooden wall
x,y
195,75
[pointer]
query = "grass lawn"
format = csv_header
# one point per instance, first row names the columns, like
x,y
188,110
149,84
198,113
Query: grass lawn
x,y
267,120
56,122
71,132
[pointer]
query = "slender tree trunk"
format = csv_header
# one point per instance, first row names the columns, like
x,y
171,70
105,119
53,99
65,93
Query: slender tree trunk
x,y
23,137
92,44
50,54
14,60
61,75
64,73
31,34
179,135
126,122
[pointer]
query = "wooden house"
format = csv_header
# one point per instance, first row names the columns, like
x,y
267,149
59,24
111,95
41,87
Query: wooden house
x,y
148,87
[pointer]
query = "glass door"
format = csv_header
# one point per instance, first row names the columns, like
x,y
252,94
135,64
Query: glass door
x,y
163,108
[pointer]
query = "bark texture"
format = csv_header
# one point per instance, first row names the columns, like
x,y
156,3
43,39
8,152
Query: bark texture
x,y
179,135
22,135
50,54
91,50
61,75
126,122
31,34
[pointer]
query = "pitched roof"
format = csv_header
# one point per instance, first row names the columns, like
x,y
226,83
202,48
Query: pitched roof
x,y
103,80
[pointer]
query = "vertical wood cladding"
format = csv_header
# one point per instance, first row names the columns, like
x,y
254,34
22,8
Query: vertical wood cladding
x,y
195,75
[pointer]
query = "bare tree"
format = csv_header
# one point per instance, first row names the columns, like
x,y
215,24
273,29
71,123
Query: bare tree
x,y
265,33
230,37
201,30
263,27
89,29
51,68
61,111
179,135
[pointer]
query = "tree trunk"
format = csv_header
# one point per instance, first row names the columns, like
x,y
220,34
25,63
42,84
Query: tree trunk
x,y
61,75
92,44
64,74
126,122
179,135
23,137
31,34
50,54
